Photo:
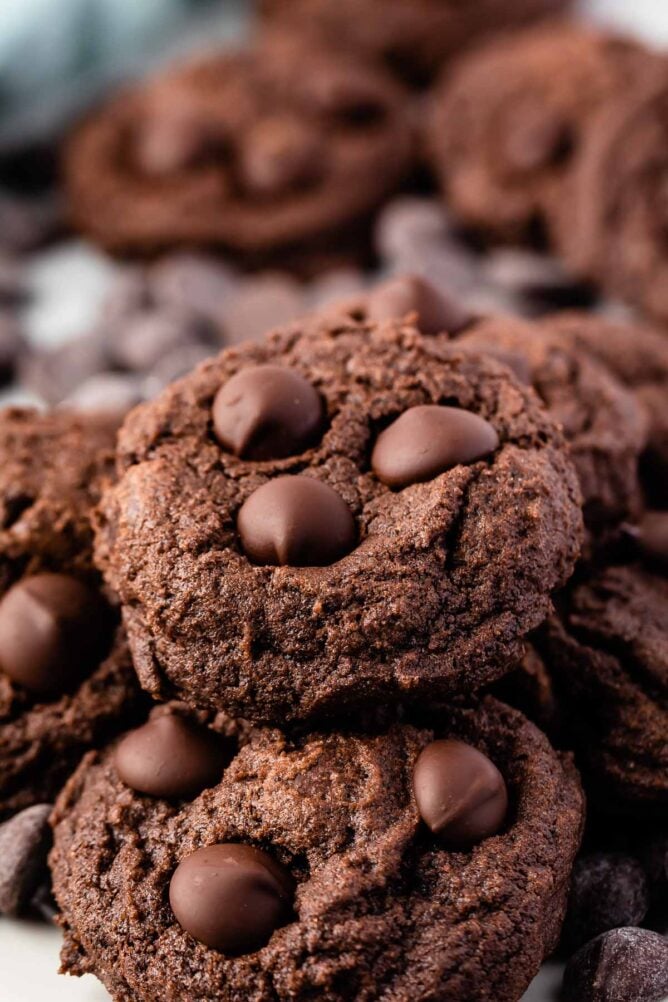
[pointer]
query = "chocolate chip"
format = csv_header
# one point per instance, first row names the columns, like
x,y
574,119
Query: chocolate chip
x,y
652,537
53,630
278,154
460,793
108,392
296,521
437,313
171,757
623,965
428,440
54,374
607,890
24,844
259,305
176,363
267,412
146,337
231,897
192,282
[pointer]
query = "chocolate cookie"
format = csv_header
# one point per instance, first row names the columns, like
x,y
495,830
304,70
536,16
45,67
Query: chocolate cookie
x,y
607,655
316,867
638,356
257,151
66,677
611,226
284,546
603,423
412,39
509,121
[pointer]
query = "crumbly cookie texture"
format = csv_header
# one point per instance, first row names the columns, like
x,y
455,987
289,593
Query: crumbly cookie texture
x,y
381,908
446,577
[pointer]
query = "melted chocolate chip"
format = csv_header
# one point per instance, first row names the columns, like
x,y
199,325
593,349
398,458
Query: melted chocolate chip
x,y
460,793
428,440
296,521
231,897
53,631
171,757
267,412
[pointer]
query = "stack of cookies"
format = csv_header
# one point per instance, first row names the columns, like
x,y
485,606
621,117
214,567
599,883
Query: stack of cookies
x,y
338,669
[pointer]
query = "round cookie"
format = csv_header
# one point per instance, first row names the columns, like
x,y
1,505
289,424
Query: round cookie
x,y
638,356
610,227
602,421
508,122
436,582
61,692
606,653
258,151
413,39
376,905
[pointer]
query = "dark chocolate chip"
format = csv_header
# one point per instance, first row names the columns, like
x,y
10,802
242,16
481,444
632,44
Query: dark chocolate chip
x,y
267,412
259,305
24,844
436,312
231,897
652,537
107,392
607,890
53,630
192,282
623,965
278,154
428,440
460,793
146,337
296,521
171,757
176,363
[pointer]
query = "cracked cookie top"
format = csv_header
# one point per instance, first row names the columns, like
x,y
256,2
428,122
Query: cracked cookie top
x,y
421,512
332,828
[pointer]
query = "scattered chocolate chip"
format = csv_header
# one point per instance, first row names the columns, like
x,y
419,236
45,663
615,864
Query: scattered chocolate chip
x,y
607,890
54,374
428,440
259,305
171,757
25,841
406,223
43,903
437,313
332,286
460,793
623,965
267,412
108,392
175,364
144,339
652,537
53,630
231,897
129,294
192,282
296,521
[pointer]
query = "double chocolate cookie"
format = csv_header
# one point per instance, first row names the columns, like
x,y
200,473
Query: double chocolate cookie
x,y
343,515
66,676
413,39
325,866
603,422
606,652
638,356
611,226
509,122
258,151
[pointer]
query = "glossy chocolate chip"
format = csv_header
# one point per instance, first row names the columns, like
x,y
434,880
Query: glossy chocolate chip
x,y
24,844
428,440
267,412
231,897
296,522
436,312
608,890
53,631
652,537
460,793
171,757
